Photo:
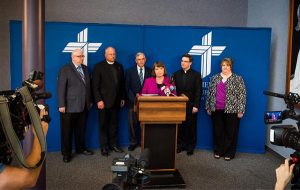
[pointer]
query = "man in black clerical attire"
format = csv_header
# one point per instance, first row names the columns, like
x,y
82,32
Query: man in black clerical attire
x,y
189,83
109,94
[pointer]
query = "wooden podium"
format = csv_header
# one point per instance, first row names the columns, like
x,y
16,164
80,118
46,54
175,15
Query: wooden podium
x,y
159,117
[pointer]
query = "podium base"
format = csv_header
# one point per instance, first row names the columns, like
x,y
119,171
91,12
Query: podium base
x,y
165,179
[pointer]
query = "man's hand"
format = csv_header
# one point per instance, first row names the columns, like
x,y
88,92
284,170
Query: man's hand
x,y
100,105
195,110
62,109
122,103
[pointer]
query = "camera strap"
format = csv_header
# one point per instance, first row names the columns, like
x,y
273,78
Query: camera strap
x,y
9,130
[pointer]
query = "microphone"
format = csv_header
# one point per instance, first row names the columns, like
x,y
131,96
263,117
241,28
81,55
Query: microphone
x,y
164,89
167,91
274,94
172,88
43,95
144,158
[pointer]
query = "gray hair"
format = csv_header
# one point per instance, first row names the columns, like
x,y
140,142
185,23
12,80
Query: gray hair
x,y
76,50
139,53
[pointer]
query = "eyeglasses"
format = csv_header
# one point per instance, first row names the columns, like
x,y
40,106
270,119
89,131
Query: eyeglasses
x,y
81,56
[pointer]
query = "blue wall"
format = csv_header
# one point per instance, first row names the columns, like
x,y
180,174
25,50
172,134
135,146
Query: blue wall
x,y
249,48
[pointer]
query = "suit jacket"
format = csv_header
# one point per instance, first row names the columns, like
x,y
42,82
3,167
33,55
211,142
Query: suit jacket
x,y
191,87
150,86
73,93
133,84
108,83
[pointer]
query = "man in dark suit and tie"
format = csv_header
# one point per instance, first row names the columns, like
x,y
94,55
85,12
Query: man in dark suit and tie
x,y
189,83
135,77
74,101
109,94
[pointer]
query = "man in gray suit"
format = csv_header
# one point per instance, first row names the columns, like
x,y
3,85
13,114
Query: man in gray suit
x,y
74,100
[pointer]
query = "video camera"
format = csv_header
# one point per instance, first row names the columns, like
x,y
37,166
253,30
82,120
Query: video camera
x,y
129,173
18,110
286,135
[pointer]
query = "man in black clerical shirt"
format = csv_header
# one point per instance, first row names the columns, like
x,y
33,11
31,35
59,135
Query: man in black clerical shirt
x,y
109,95
189,83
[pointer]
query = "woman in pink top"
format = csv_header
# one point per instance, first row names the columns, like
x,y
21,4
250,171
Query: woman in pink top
x,y
159,83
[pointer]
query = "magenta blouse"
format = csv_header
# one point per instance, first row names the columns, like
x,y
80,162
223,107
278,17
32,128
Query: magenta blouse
x,y
150,86
221,95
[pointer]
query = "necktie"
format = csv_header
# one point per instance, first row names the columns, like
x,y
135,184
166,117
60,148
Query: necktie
x,y
141,76
80,71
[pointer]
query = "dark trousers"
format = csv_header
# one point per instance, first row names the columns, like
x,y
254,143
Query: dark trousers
x,y
225,133
108,126
69,123
134,127
187,134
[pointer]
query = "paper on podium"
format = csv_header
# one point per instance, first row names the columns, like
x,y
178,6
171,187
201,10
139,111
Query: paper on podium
x,y
149,94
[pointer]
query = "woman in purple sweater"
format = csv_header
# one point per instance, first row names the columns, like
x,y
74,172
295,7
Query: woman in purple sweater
x,y
226,104
159,84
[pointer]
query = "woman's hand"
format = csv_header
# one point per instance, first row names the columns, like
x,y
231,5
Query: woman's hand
x,y
208,112
240,115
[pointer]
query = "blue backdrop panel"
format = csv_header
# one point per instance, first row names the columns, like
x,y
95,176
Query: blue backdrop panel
x,y
249,48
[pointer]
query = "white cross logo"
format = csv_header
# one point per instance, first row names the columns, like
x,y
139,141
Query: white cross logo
x,y
82,43
206,50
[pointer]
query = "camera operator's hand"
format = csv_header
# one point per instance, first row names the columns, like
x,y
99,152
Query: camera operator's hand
x,y
43,113
22,178
283,174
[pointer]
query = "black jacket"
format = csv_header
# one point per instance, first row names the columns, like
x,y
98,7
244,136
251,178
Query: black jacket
x,y
191,86
132,84
108,83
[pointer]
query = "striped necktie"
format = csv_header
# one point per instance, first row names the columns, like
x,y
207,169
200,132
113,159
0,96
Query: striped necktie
x,y
80,71
141,76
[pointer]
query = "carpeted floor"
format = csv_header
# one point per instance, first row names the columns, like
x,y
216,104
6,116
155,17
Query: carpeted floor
x,y
200,171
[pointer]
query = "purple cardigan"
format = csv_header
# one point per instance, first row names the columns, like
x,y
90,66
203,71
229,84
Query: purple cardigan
x,y
150,86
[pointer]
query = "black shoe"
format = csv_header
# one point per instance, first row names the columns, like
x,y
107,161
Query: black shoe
x,y
132,147
104,152
179,149
226,158
217,156
66,158
116,149
190,152
86,152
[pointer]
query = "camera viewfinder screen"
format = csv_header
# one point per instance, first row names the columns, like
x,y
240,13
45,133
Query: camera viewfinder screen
x,y
273,117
